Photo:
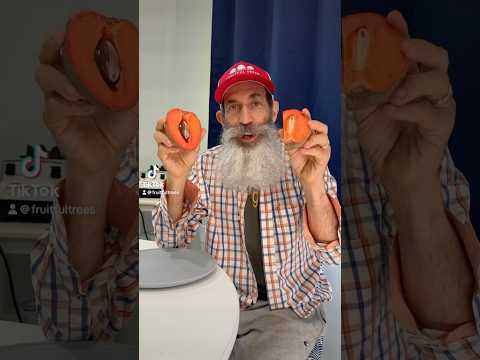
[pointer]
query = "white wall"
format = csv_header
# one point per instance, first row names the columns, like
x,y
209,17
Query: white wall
x,y
21,102
175,37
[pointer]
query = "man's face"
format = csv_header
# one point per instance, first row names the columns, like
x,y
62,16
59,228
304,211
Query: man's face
x,y
252,156
246,108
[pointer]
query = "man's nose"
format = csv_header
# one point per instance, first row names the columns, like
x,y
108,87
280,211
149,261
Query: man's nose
x,y
245,116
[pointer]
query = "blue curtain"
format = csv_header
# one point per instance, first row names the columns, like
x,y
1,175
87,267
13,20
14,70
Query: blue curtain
x,y
297,42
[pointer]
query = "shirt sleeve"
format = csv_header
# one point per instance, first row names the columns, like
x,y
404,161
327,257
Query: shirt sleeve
x,y
94,309
464,341
97,308
180,233
329,252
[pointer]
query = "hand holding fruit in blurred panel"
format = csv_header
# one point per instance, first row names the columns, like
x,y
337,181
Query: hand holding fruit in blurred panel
x,y
373,62
91,123
405,131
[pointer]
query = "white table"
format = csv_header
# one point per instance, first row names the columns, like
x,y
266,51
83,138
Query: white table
x,y
18,238
21,341
147,202
17,333
196,321
147,205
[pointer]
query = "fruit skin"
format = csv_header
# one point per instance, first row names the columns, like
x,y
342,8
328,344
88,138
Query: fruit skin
x,y
373,63
174,118
295,128
83,32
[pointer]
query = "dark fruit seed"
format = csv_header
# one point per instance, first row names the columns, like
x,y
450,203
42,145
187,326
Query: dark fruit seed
x,y
108,62
184,131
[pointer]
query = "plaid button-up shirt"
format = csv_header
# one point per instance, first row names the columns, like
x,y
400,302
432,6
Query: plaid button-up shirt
x,y
376,321
293,260
96,308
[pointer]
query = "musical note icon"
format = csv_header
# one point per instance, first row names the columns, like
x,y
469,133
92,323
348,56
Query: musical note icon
x,y
31,166
152,172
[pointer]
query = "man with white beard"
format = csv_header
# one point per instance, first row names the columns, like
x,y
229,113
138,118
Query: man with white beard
x,y
272,215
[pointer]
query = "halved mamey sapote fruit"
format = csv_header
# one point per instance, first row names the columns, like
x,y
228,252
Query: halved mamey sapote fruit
x,y
373,63
100,56
183,128
295,128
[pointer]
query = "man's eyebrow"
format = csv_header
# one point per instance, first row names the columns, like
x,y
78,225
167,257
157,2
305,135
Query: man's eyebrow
x,y
251,96
254,95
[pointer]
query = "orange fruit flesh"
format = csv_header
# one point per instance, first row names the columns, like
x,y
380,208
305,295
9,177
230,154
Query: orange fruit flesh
x,y
178,120
295,127
83,33
373,62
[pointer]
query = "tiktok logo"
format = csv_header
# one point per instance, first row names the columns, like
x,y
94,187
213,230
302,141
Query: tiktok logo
x,y
31,166
152,172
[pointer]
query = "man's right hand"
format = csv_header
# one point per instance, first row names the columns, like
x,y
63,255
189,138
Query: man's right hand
x,y
92,137
177,162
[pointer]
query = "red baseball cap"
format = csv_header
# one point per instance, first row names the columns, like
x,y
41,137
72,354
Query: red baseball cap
x,y
243,71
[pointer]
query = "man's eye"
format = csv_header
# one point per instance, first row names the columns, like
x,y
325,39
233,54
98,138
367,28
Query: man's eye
x,y
233,107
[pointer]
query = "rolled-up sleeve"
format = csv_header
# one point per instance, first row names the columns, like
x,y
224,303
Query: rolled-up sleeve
x,y
93,309
180,233
97,308
329,252
462,342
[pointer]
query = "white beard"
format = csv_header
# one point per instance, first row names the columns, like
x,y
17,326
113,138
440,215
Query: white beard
x,y
244,167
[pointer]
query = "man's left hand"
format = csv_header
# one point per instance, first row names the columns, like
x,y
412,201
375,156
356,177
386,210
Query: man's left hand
x,y
405,140
309,162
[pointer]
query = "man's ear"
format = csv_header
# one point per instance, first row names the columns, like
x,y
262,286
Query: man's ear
x,y
275,109
219,117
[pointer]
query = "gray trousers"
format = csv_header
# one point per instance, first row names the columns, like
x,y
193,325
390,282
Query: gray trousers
x,y
264,334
